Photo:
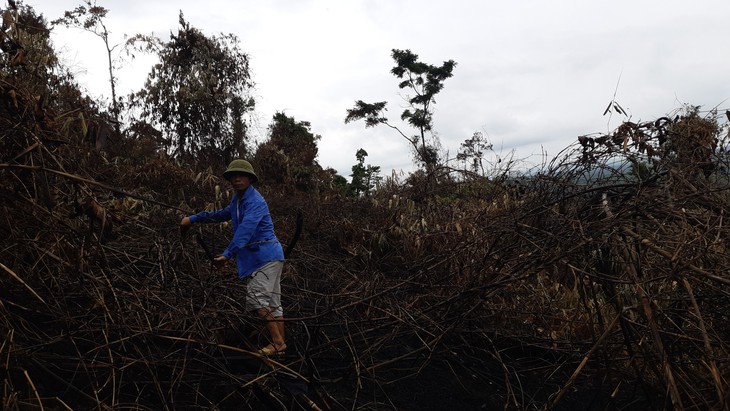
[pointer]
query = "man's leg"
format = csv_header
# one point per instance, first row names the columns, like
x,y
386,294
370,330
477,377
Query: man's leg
x,y
277,310
275,329
264,294
280,323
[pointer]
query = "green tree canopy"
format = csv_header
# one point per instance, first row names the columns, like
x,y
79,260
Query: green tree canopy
x,y
290,153
472,151
364,177
295,139
424,81
198,95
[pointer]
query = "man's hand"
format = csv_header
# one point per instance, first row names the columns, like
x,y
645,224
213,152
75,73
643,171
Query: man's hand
x,y
185,225
219,262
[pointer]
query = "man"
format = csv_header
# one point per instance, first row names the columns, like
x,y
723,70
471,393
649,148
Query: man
x,y
258,253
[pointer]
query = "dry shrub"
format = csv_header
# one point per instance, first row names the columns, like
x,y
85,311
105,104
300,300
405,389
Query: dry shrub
x,y
605,270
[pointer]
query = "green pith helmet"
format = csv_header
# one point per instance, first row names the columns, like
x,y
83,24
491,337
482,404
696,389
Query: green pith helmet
x,y
240,166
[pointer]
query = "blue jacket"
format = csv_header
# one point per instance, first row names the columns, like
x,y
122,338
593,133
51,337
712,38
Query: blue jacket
x,y
254,243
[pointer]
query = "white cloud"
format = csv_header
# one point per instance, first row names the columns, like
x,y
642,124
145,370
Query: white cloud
x,y
532,75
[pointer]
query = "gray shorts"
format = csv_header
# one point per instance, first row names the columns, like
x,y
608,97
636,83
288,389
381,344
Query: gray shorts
x,y
263,288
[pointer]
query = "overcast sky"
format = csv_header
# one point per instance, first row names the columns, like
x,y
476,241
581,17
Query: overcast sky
x,y
530,75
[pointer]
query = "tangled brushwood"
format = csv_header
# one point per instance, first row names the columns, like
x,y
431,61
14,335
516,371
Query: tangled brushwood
x,y
599,282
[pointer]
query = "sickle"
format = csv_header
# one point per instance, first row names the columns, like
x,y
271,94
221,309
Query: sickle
x,y
297,233
205,247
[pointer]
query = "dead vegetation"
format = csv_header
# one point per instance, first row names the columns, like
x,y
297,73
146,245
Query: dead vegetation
x,y
600,282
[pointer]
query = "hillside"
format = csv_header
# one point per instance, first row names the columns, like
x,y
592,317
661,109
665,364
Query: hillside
x,y
446,290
